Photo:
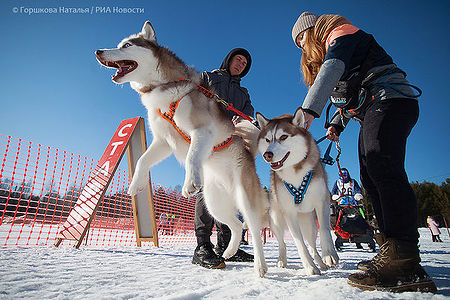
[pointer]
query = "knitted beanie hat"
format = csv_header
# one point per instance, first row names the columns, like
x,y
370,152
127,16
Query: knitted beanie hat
x,y
305,21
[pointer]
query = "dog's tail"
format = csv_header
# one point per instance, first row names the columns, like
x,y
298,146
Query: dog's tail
x,y
249,133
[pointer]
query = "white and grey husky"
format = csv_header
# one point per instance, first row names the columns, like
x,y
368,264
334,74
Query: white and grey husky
x,y
185,121
299,189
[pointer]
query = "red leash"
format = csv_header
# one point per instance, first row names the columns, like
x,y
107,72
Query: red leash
x,y
338,147
227,105
230,106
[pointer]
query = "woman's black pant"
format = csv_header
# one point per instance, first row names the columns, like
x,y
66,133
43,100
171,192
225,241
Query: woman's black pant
x,y
382,146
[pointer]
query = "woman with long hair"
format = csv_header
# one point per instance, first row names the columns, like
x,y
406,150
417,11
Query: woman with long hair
x,y
341,62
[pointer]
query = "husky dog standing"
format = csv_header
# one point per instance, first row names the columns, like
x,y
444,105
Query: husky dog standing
x,y
299,189
187,122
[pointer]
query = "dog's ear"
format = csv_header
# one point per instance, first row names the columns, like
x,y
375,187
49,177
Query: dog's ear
x,y
299,118
148,32
262,121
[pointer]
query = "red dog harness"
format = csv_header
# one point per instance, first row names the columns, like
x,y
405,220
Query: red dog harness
x,y
169,117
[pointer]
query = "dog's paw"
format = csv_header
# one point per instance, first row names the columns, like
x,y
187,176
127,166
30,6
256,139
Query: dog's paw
x,y
190,190
228,253
191,187
261,270
330,261
282,263
322,266
136,186
311,270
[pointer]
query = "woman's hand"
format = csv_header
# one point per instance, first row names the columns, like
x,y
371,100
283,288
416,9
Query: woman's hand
x,y
308,119
332,134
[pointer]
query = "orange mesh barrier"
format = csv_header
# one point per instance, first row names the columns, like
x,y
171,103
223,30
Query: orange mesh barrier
x,y
39,185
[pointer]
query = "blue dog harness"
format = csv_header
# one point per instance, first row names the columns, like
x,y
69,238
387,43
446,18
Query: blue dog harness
x,y
299,192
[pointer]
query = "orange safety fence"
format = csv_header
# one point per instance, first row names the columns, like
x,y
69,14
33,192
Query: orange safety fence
x,y
39,185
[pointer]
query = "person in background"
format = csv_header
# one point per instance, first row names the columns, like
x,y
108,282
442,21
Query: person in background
x,y
164,223
225,82
244,231
346,190
434,228
337,59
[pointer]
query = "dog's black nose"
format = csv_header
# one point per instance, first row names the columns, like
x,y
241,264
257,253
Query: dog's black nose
x,y
268,156
98,52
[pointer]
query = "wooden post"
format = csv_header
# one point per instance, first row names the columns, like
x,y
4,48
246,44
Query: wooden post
x,y
143,210
129,135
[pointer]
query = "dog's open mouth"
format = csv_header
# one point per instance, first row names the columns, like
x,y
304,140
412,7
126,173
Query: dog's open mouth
x,y
123,67
279,164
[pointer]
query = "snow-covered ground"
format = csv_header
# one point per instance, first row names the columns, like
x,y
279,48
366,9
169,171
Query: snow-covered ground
x,y
167,273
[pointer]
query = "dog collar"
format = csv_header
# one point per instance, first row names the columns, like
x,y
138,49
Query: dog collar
x,y
299,192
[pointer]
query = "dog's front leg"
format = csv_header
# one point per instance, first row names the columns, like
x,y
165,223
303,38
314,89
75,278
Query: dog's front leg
x,y
199,150
294,228
309,231
158,151
329,254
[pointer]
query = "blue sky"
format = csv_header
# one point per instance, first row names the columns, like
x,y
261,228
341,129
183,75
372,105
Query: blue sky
x,y
54,92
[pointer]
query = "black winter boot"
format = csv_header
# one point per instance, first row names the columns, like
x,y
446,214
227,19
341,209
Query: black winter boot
x,y
365,265
396,269
205,256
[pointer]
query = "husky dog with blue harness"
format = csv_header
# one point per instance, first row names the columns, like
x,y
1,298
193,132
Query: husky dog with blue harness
x,y
299,189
